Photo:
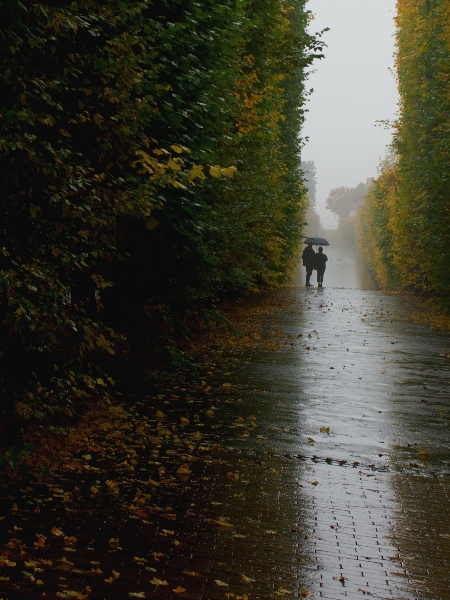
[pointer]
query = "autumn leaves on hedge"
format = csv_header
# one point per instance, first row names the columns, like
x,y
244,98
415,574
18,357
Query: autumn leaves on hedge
x,y
405,225
150,157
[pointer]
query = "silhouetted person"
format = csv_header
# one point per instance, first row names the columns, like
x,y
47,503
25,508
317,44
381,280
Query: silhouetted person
x,y
308,257
320,260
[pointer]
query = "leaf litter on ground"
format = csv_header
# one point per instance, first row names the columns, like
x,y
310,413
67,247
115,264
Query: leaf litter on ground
x,y
112,477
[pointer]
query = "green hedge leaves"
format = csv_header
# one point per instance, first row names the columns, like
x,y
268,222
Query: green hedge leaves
x,y
149,158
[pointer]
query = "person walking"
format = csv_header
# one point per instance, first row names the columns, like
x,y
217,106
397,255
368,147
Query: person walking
x,y
308,257
320,259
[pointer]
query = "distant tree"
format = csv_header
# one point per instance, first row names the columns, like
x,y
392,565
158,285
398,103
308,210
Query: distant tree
x,y
308,168
340,200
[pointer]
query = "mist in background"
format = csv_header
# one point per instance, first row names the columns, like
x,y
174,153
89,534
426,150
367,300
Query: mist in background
x,y
354,88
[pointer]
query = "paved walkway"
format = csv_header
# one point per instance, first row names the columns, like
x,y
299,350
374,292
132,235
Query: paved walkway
x,y
325,471
341,491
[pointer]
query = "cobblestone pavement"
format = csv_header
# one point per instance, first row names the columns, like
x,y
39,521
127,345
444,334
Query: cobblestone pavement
x,y
344,494
333,477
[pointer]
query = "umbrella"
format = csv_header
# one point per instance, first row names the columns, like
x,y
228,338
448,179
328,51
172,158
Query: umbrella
x,y
316,241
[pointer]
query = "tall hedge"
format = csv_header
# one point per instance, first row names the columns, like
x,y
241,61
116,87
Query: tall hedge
x,y
417,247
149,160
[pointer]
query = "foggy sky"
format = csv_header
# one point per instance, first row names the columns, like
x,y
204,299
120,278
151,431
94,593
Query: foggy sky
x,y
354,87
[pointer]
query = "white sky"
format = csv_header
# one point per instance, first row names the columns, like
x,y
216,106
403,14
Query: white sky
x,y
354,87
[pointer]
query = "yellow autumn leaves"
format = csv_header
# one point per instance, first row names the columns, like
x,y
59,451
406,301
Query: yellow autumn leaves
x,y
163,166
404,224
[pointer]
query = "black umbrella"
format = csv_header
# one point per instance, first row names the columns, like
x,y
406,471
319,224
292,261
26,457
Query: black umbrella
x,y
316,241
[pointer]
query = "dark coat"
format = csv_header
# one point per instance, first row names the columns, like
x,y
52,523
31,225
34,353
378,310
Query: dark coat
x,y
308,256
319,261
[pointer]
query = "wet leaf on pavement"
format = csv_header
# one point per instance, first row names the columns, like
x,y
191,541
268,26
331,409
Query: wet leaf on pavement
x,y
157,581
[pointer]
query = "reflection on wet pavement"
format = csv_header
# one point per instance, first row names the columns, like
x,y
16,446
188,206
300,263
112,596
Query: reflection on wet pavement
x,y
350,472
359,408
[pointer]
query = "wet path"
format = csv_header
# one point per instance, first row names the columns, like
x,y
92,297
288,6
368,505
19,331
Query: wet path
x,y
347,486
360,407
318,466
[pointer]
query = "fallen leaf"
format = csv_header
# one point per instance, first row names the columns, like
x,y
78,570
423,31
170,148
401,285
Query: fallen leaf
x,y
324,430
423,454
179,590
56,531
221,583
157,581
191,573
184,470
314,482
4,562
158,555
40,543
31,563
70,540
223,523
246,579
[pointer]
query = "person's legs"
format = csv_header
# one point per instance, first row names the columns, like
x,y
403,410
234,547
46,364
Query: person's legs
x,y
309,271
320,278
